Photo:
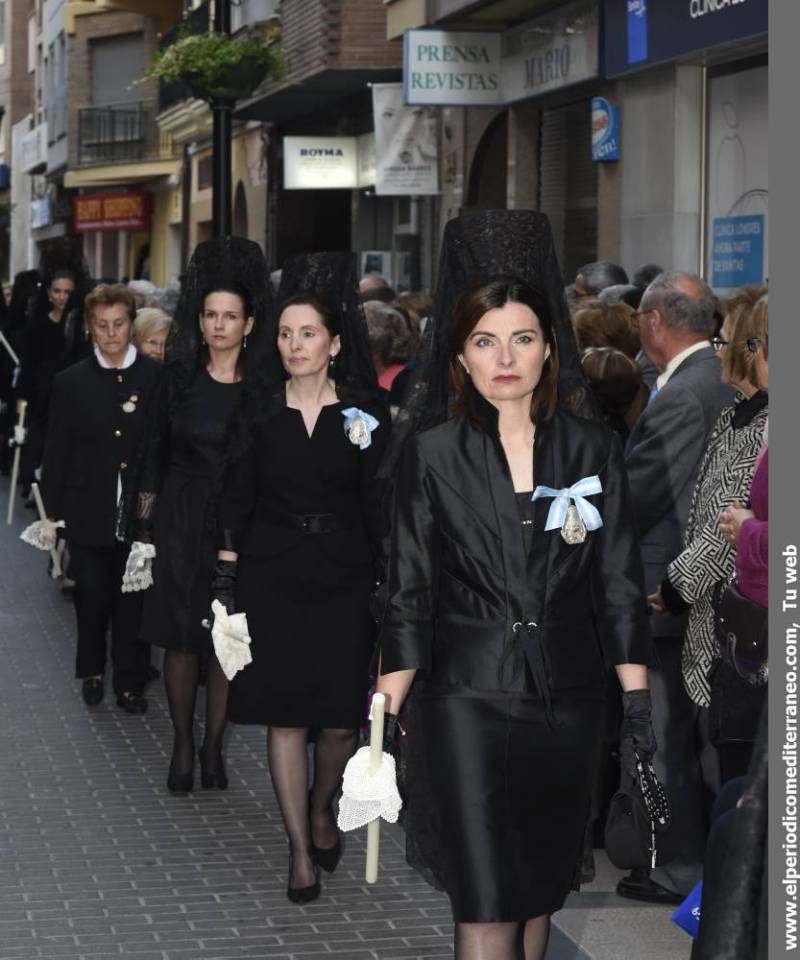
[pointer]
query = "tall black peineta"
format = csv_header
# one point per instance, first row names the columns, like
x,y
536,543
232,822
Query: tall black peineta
x,y
477,248
332,279
232,264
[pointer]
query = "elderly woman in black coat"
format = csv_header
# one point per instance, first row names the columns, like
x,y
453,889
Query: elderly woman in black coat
x,y
96,426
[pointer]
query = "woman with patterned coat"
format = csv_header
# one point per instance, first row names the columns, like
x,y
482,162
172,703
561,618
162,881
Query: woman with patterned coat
x,y
725,476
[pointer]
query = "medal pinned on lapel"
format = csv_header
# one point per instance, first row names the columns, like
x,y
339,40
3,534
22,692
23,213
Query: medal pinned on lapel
x,y
573,529
570,512
358,425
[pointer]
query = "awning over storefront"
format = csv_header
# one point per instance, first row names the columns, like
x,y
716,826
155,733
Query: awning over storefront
x,y
122,173
323,89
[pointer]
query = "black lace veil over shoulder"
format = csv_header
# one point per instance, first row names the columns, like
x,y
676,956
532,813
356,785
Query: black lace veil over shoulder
x,y
332,278
232,264
479,247
62,257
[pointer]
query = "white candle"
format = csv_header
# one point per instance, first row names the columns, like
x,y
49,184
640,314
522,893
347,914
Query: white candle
x,y
9,349
375,758
56,571
12,491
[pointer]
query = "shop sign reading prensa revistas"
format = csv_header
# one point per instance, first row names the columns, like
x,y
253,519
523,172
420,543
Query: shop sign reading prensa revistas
x,y
552,51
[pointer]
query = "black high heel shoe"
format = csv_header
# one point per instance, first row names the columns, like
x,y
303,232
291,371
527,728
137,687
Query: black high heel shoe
x,y
180,782
303,894
212,778
327,857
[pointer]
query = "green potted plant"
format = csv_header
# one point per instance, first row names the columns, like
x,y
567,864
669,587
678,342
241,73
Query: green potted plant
x,y
217,67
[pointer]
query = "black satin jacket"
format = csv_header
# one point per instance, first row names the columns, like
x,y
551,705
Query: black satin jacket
x,y
469,605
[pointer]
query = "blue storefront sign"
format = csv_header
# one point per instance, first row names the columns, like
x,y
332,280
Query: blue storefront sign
x,y
605,130
737,254
639,33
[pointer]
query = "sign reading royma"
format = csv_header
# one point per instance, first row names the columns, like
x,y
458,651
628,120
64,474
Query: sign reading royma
x,y
111,211
320,163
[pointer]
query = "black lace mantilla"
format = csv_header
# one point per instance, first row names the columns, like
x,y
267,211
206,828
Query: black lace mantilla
x,y
218,264
332,278
477,248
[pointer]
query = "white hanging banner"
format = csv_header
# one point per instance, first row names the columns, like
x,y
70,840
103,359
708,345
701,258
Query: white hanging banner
x,y
406,144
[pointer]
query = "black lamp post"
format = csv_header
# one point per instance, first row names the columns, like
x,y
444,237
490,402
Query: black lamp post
x,y
222,110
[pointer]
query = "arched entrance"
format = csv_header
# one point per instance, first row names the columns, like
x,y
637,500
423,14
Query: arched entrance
x,y
488,175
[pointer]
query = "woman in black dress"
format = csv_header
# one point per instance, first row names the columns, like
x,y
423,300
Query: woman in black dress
x,y
53,339
196,422
507,605
302,515
96,429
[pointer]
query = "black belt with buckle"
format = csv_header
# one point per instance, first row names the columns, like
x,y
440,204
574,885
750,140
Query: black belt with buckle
x,y
309,523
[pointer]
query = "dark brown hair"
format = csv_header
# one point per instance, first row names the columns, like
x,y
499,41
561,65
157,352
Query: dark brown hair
x,y
107,295
329,321
470,307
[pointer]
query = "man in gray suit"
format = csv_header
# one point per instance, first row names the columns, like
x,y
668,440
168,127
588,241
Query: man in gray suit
x,y
662,456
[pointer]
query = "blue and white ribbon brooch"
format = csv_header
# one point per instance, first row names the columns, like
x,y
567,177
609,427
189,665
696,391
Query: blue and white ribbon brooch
x,y
358,425
573,518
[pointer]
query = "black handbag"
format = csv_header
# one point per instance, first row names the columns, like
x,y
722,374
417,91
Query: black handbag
x,y
740,630
638,813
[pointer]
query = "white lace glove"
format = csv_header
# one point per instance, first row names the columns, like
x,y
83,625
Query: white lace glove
x,y
42,534
367,796
231,640
20,435
139,568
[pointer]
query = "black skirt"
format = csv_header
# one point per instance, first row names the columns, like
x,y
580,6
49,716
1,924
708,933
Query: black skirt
x,y
311,643
498,801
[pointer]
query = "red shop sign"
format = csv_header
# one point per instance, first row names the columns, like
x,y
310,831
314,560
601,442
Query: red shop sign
x,y
112,211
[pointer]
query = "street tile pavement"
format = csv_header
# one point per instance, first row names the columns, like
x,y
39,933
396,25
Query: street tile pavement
x,y
99,861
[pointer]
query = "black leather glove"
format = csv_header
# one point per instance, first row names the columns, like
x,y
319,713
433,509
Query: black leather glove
x,y
391,732
223,584
636,734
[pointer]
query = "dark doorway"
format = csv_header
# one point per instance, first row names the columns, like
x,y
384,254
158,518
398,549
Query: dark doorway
x,y
313,220
489,173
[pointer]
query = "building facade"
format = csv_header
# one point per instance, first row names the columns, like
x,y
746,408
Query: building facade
x,y
335,51
522,125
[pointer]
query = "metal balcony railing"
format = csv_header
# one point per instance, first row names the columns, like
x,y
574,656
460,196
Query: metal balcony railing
x,y
121,133
197,22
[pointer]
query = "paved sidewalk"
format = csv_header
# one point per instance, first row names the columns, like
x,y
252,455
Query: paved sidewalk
x,y
98,860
